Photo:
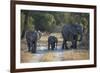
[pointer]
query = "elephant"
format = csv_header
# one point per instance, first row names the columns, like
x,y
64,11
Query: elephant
x,y
32,38
52,42
71,32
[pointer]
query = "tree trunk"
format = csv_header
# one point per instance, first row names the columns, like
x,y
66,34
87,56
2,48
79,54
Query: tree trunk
x,y
25,25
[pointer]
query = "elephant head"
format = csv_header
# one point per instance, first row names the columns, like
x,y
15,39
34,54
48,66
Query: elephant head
x,y
79,31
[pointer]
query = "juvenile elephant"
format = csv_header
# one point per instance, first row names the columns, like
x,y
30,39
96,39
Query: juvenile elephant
x,y
31,38
52,42
70,32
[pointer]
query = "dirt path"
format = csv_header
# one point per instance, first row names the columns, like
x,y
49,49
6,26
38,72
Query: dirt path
x,y
57,55
43,55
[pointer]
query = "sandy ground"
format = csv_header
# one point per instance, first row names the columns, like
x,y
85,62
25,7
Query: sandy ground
x,y
43,55
47,56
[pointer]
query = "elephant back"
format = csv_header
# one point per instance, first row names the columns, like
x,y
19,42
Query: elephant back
x,y
69,30
31,36
52,39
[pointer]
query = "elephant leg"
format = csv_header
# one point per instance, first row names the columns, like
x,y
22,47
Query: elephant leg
x,y
30,49
74,42
48,46
56,45
34,47
53,46
28,44
66,45
63,45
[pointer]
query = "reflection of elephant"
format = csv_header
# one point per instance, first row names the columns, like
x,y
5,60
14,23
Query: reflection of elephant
x,y
52,42
71,32
31,38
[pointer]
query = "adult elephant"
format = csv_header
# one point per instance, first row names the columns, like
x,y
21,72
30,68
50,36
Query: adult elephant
x,y
71,32
32,38
52,42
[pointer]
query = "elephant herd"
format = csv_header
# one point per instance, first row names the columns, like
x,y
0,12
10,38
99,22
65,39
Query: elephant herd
x,y
70,32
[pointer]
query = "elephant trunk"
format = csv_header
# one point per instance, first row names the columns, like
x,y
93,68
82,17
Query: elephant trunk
x,y
80,39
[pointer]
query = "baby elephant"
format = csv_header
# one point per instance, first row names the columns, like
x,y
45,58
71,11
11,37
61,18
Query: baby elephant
x,y
52,42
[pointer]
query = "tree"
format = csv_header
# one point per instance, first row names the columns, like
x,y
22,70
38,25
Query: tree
x,y
44,21
24,23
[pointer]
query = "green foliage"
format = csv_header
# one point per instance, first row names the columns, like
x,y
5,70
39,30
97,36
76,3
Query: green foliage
x,y
22,21
85,20
50,21
44,21
66,18
30,23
